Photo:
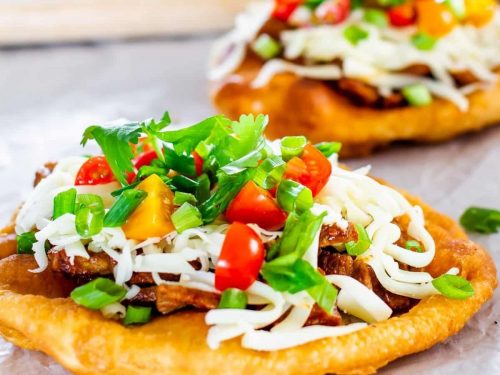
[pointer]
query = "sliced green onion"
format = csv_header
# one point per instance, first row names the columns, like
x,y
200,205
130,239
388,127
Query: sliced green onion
x,y
186,217
64,203
423,41
417,95
89,219
137,315
292,276
98,293
457,7
355,34
361,245
292,146
376,17
184,183
412,244
481,220
148,170
293,196
25,242
180,198
233,299
298,235
270,172
329,148
123,207
324,293
203,188
454,287
266,47
118,192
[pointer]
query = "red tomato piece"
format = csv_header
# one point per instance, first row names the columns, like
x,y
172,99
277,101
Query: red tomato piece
x,y
95,171
198,163
402,15
146,158
312,169
283,9
240,259
256,205
333,11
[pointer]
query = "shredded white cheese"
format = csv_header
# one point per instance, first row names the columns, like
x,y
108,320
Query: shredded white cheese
x,y
349,196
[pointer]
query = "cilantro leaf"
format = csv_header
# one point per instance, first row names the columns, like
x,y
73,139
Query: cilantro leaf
x,y
186,139
115,144
230,142
227,188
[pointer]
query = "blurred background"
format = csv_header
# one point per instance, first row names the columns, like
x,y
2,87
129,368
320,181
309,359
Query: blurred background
x,y
67,64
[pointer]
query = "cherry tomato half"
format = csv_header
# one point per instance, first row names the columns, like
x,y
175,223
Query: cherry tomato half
x,y
95,171
434,18
283,9
312,169
240,259
402,15
146,158
256,205
198,163
333,11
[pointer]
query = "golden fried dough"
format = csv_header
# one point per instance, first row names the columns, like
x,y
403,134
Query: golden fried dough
x,y
300,106
86,343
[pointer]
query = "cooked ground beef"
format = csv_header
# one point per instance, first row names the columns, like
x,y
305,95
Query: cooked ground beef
x,y
366,95
99,264
146,296
319,316
333,235
173,297
333,263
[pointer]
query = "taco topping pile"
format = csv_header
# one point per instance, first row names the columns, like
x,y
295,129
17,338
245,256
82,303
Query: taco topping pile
x,y
378,53
274,240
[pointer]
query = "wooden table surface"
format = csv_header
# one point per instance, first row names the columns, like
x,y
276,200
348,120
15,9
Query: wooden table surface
x,y
27,22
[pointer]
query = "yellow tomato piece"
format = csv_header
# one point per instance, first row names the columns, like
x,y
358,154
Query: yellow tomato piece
x,y
479,12
152,217
434,18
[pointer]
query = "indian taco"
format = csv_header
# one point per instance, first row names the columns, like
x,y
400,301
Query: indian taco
x,y
209,249
365,73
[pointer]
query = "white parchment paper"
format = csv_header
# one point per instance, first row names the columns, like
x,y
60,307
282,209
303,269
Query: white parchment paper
x,y
50,95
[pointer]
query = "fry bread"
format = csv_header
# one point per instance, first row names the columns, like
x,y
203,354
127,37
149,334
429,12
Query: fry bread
x,y
300,106
35,314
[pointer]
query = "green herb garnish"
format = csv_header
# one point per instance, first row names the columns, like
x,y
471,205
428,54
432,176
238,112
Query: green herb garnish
x,y
454,287
482,220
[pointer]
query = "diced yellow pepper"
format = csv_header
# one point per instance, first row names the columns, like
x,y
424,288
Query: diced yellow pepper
x,y
152,217
480,12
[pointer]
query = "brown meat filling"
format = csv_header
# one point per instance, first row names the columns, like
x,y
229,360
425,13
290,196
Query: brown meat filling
x,y
333,263
359,92
43,172
173,297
